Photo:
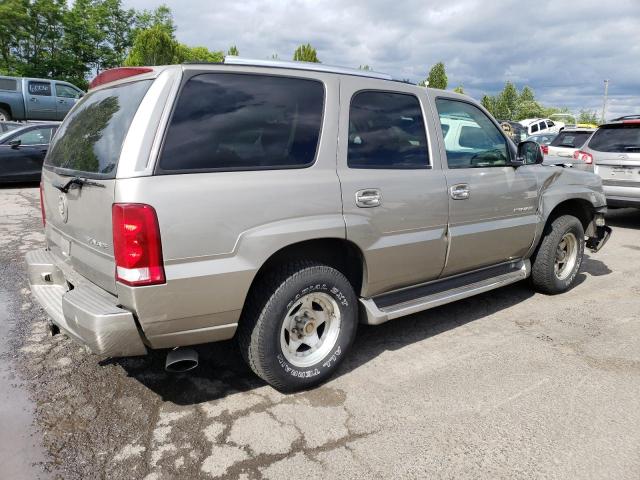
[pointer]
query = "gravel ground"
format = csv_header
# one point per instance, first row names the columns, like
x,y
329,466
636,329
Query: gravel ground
x,y
508,384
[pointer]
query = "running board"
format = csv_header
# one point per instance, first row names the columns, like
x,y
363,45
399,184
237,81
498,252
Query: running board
x,y
376,314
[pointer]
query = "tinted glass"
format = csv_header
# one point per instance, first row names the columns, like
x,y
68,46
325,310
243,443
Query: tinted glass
x,y
66,91
472,139
90,138
550,123
618,138
38,136
534,128
386,130
571,139
40,88
8,84
225,121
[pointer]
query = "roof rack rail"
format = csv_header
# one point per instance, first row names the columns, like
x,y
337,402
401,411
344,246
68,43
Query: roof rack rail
x,y
316,67
625,117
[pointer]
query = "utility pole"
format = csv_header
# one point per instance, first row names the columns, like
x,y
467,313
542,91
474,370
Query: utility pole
x,y
604,103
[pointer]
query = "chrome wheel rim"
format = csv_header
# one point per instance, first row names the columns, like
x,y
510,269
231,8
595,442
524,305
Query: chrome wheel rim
x,y
310,329
566,256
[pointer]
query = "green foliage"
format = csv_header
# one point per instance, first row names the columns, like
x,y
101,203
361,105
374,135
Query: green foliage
x,y
364,67
153,46
196,54
459,89
489,103
233,50
437,77
160,17
306,53
588,116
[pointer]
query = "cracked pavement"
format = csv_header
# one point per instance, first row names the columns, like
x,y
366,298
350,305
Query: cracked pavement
x,y
509,384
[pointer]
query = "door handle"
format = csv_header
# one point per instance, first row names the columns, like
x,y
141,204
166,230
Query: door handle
x,y
33,99
60,101
460,191
369,197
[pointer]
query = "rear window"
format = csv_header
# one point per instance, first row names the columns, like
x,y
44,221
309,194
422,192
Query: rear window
x,y
228,121
91,137
571,139
616,138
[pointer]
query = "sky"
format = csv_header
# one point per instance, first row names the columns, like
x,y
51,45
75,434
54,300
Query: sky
x,y
562,49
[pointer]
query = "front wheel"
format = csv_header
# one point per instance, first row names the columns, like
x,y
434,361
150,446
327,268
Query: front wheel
x,y
558,259
299,323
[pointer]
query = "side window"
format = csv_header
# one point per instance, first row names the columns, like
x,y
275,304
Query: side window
x,y
477,141
550,123
40,88
38,136
534,128
229,121
65,91
543,125
386,131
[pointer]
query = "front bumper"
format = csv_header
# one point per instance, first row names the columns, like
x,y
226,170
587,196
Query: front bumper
x,y
81,309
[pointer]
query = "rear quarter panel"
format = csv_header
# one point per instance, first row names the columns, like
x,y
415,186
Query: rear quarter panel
x,y
218,228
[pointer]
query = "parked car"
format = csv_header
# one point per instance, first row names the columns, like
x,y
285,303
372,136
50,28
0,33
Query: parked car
x,y
614,153
566,143
514,130
22,152
541,125
283,202
6,126
36,98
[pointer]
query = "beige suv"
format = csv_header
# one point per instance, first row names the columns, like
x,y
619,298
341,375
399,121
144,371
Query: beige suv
x,y
282,203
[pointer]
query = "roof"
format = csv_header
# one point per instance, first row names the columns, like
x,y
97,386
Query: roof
x,y
316,67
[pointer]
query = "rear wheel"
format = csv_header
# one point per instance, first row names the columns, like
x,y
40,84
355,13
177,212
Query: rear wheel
x,y
299,322
558,259
4,115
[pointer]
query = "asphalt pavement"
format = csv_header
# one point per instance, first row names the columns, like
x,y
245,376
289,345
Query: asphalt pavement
x,y
509,384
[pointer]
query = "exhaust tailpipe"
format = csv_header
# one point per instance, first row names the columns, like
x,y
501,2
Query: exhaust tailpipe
x,y
181,360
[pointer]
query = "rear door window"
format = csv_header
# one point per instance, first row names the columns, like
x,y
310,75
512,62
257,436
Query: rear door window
x,y
534,128
386,130
42,89
228,121
91,136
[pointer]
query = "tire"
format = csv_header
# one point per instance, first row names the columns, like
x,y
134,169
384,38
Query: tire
x,y
300,297
4,115
554,272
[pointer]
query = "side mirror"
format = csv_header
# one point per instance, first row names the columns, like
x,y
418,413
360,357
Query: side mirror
x,y
529,153
15,143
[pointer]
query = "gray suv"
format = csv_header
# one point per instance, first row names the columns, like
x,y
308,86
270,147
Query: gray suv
x,y
281,204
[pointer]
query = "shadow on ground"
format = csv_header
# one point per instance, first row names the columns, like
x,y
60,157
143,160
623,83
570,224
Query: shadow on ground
x,y
221,363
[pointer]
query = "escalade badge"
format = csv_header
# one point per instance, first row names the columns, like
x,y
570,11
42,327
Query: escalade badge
x,y
62,207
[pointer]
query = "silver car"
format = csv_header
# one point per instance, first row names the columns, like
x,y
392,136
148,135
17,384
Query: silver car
x,y
614,152
281,204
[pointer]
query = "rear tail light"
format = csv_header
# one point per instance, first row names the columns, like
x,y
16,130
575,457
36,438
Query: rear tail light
x,y
44,215
584,156
545,149
136,244
117,74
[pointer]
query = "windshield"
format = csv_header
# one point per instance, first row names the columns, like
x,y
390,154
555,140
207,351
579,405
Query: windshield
x,y
616,138
571,139
91,137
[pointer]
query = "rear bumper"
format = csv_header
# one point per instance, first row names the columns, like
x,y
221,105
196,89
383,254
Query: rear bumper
x,y
622,196
82,310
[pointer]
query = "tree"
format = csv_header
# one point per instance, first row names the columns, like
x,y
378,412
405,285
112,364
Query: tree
x,y
160,17
437,77
153,46
588,116
364,67
305,53
489,103
459,89
184,53
233,50
507,102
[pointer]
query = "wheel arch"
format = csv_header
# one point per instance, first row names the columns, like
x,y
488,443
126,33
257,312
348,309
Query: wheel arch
x,y
339,253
